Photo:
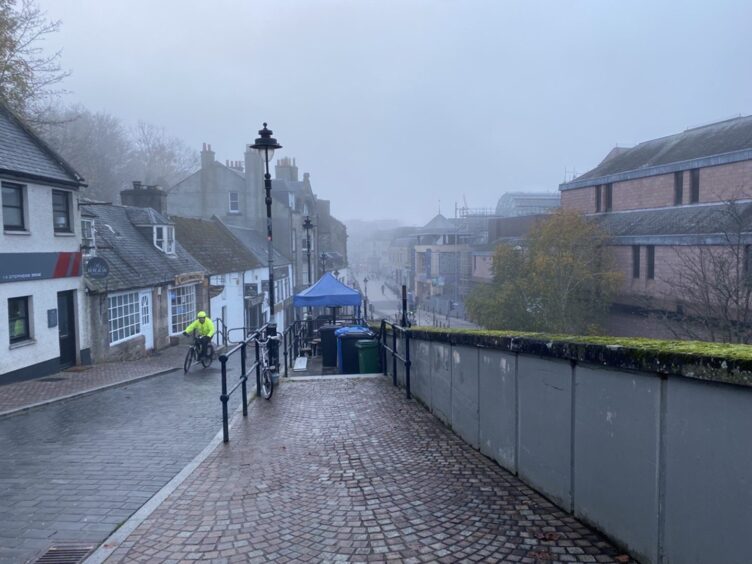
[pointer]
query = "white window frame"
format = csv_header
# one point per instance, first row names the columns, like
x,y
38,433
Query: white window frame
x,y
126,323
236,207
88,237
181,317
165,243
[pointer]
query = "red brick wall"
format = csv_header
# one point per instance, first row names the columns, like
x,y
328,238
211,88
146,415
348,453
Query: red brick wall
x,y
717,184
725,182
668,261
581,199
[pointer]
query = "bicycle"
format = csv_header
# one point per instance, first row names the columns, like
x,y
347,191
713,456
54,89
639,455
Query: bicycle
x,y
194,355
267,383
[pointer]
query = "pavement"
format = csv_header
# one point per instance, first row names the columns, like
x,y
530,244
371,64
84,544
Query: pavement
x,y
346,469
20,396
331,469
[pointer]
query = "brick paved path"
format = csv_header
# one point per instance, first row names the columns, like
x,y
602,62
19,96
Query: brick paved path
x,y
332,470
73,471
83,379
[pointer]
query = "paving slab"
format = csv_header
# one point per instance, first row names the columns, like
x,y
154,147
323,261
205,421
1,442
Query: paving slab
x,y
348,470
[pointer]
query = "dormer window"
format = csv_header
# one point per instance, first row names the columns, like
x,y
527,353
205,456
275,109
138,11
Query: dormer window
x,y
164,238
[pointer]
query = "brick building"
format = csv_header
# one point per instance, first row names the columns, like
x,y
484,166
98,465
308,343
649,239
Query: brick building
x,y
665,200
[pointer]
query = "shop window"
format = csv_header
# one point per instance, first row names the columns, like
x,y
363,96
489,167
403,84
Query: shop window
x,y
182,308
19,323
124,317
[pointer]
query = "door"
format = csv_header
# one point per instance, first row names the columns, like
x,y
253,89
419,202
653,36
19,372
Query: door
x,y
66,325
147,326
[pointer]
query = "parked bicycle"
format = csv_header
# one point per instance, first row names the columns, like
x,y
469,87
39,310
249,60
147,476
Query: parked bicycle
x,y
267,382
195,354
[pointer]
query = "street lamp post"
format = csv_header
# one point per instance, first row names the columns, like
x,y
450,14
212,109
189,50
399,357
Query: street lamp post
x,y
308,225
266,145
365,289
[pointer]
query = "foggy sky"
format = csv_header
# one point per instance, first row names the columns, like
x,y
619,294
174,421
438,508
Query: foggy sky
x,y
395,105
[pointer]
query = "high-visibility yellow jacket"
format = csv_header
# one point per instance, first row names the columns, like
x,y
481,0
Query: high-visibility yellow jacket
x,y
205,329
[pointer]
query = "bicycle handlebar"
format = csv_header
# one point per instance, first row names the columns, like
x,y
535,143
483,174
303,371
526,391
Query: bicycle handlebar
x,y
269,338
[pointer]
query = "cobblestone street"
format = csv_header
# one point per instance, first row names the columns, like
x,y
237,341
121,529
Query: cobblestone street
x,y
348,470
74,470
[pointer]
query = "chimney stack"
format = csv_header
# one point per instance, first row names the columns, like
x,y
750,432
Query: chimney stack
x,y
141,196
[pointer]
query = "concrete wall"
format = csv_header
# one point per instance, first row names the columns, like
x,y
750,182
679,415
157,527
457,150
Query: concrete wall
x,y
660,464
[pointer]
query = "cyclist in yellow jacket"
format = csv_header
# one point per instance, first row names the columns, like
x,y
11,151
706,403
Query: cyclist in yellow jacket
x,y
205,329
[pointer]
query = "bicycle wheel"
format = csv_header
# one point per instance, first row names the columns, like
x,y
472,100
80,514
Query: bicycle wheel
x,y
267,384
189,358
207,359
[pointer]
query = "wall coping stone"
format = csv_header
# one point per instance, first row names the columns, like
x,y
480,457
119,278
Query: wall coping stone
x,y
717,362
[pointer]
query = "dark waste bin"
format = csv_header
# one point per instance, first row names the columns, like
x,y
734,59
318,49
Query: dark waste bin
x,y
328,344
347,354
368,356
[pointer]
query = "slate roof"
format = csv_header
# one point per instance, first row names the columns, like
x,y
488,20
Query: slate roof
x,y
710,140
25,155
439,225
213,245
514,227
678,221
134,260
256,244
146,216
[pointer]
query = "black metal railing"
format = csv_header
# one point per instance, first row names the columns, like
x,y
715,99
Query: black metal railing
x,y
397,332
226,336
294,337
242,347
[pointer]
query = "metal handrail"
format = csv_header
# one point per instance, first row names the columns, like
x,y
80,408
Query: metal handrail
x,y
405,359
225,397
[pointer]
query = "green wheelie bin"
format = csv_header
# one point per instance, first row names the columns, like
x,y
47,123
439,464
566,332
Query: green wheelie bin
x,y
368,356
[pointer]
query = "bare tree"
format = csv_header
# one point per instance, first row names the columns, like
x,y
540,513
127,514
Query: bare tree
x,y
28,74
713,283
158,158
95,144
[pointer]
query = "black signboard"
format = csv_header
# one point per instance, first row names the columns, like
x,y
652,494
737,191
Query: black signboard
x,y
97,268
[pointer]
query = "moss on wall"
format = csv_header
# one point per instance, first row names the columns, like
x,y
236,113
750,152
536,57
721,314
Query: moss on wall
x,y
719,362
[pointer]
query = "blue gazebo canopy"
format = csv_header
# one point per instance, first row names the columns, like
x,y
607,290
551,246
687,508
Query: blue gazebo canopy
x,y
327,292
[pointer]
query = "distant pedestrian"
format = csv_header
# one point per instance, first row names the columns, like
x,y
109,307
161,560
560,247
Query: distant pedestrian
x,y
383,290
